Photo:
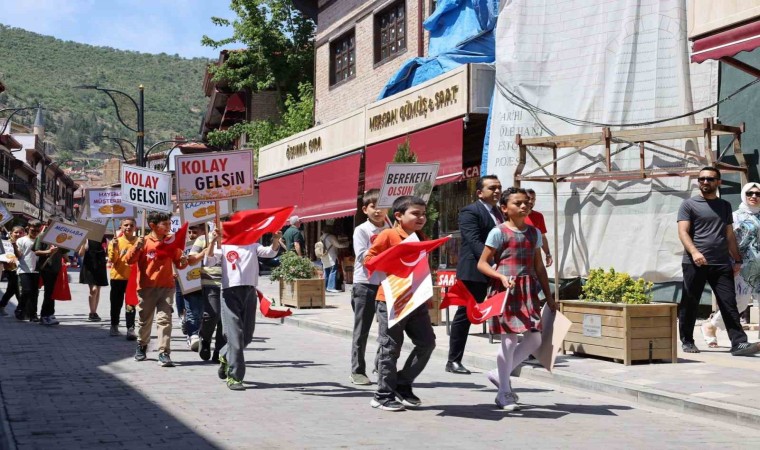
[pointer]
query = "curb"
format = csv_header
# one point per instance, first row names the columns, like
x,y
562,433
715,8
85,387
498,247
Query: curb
x,y
645,396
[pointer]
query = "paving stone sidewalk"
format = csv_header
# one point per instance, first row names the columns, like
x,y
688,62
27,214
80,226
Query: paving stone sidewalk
x,y
713,384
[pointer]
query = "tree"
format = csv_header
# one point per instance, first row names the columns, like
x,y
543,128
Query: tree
x,y
279,47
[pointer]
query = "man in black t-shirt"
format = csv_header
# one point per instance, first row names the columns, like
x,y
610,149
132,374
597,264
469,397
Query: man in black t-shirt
x,y
711,256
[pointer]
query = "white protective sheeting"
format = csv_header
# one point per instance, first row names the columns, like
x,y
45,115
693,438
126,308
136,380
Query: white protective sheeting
x,y
611,61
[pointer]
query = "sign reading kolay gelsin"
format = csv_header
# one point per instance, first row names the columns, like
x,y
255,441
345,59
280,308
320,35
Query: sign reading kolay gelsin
x,y
65,236
145,188
106,204
407,179
217,176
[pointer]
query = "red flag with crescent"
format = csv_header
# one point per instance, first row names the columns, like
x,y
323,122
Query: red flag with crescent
x,y
168,248
247,227
269,311
400,260
477,313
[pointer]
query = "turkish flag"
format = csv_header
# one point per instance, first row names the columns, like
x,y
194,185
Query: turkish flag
x,y
131,296
168,248
247,227
477,313
61,291
400,260
269,311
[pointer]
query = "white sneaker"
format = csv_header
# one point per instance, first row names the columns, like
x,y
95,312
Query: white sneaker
x,y
53,320
194,341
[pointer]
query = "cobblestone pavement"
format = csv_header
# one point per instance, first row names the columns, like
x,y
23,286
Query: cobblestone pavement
x,y
73,386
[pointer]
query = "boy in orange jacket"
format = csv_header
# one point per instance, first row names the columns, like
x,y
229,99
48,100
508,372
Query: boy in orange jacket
x,y
155,285
409,212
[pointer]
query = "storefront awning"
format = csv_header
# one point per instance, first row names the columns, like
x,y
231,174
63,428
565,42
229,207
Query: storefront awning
x,y
330,189
282,191
441,143
726,43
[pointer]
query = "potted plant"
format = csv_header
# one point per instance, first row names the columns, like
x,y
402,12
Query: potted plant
x,y
615,319
299,285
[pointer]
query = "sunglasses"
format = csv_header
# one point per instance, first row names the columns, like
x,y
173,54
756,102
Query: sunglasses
x,y
706,179
753,194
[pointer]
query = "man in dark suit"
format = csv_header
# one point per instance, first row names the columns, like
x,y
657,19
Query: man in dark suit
x,y
476,220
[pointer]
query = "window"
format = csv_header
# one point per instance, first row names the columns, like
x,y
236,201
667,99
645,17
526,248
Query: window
x,y
390,32
343,58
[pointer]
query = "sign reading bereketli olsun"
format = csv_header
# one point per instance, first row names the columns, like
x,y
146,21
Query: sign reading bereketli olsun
x,y
145,188
106,203
64,235
407,179
216,176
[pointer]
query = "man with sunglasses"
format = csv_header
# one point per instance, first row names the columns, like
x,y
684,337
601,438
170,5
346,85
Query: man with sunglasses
x,y
711,256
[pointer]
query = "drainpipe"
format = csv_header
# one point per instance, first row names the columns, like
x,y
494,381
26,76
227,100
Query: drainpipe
x,y
420,31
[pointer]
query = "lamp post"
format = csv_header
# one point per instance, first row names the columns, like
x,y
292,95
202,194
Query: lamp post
x,y
120,142
130,113
15,111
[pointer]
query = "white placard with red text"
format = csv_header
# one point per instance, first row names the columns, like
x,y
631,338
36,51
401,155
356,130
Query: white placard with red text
x,y
145,188
407,179
215,176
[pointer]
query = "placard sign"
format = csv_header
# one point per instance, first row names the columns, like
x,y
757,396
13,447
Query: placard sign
x,y
592,325
215,176
64,236
176,223
8,254
107,204
407,179
199,212
5,215
95,231
145,188
189,278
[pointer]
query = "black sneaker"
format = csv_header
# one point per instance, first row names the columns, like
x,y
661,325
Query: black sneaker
x,y
745,349
184,327
93,317
19,314
215,357
34,318
386,404
689,347
140,352
407,397
205,352
164,360
222,371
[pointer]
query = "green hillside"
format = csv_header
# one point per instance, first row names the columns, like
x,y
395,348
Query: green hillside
x,y
41,68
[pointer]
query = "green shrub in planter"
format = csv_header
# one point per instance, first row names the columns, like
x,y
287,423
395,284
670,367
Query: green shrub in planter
x,y
616,287
293,267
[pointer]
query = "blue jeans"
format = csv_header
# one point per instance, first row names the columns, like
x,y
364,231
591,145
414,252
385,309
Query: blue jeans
x,y
331,274
178,300
193,312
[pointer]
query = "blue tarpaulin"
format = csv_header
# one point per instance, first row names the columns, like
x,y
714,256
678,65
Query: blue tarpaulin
x,y
461,32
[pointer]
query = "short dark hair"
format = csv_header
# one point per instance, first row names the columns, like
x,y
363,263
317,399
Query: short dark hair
x,y
155,217
479,183
510,191
401,204
530,191
194,227
34,223
371,197
711,169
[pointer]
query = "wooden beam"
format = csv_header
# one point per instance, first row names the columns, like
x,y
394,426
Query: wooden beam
x,y
754,71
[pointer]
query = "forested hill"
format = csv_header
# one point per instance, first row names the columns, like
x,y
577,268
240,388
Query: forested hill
x,y
40,68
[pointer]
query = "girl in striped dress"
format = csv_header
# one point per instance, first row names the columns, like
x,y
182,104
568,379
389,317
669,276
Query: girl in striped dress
x,y
515,248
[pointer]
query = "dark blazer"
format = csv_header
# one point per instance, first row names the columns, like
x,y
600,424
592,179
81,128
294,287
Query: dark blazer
x,y
475,223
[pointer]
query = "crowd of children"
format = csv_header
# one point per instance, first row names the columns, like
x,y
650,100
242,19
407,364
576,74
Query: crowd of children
x,y
226,306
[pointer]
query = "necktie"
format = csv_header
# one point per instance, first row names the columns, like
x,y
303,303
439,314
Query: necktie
x,y
497,213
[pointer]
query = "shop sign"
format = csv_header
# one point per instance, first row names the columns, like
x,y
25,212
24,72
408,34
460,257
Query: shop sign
x,y
216,176
407,179
199,212
107,204
434,102
471,172
145,188
64,235
313,145
446,278
21,207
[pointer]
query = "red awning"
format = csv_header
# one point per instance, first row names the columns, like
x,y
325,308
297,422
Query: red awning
x,y
282,191
726,43
330,189
442,144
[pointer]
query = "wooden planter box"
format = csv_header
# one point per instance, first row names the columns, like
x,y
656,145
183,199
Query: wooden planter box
x,y
305,293
622,332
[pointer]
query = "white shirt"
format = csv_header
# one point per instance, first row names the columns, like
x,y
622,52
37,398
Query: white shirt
x,y
240,263
28,261
331,249
362,241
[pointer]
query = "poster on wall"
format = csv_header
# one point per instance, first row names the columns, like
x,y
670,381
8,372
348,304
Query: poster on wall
x,y
145,188
107,204
215,176
407,179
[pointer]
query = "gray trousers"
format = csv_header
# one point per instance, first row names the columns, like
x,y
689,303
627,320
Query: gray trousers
x,y
238,322
212,311
417,326
363,303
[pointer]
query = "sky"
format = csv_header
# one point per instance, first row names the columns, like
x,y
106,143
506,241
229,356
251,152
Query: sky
x,y
150,26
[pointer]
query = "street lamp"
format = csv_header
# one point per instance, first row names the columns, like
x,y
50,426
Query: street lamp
x,y
130,113
15,111
120,142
